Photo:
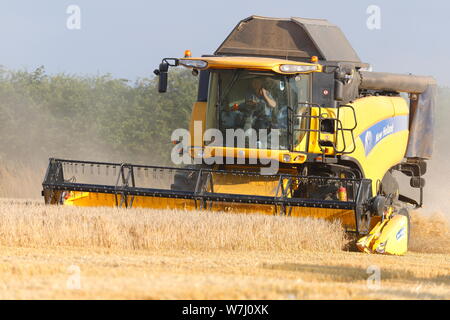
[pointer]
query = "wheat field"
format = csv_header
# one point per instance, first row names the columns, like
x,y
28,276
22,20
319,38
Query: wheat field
x,y
56,252
32,224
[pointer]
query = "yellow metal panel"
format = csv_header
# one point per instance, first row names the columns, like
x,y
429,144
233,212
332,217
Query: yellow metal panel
x,y
249,185
346,217
92,199
252,63
401,106
248,153
316,136
369,111
198,114
391,149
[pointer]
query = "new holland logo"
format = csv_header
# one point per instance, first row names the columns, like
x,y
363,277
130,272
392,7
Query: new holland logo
x,y
368,141
401,233
382,129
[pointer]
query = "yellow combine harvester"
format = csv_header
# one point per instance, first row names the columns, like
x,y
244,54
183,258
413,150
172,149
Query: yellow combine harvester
x,y
288,121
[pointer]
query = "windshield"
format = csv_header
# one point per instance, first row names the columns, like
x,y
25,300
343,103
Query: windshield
x,y
256,103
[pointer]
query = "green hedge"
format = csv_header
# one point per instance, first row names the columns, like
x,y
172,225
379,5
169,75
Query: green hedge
x,y
91,117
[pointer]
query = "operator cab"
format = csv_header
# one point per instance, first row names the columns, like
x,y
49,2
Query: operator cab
x,y
258,103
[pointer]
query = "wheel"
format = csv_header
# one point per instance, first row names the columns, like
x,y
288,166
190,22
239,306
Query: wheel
x,y
405,212
390,186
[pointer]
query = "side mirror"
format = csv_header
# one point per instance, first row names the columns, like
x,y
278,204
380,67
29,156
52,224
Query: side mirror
x,y
417,182
162,72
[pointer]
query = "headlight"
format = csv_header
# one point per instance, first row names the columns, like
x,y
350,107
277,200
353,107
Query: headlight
x,y
292,68
197,64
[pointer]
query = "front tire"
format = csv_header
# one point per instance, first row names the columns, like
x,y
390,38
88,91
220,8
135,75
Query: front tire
x,y
405,212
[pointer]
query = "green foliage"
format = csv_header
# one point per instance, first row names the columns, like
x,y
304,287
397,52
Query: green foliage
x,y
91,117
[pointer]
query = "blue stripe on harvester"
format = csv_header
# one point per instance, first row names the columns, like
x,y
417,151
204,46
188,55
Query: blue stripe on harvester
x,y
381,130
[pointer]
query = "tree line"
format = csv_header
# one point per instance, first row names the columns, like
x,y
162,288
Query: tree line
x,y
91,117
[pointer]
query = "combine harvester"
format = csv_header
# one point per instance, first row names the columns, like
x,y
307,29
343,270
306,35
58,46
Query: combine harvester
x,y
301,101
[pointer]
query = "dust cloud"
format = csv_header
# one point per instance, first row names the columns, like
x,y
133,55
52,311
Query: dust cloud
x,y
430,225
30,136
430,232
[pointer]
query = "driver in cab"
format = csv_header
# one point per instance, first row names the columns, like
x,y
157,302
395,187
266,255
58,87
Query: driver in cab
x,y
260,97
259,105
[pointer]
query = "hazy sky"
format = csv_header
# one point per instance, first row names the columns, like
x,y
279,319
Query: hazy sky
x,y
129,38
